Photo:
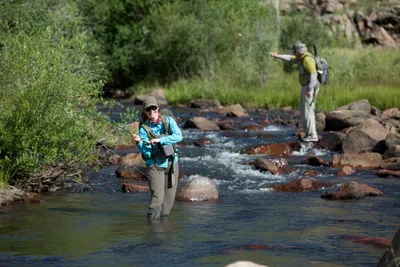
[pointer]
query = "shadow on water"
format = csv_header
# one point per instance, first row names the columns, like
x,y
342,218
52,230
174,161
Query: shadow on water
x,y
248,222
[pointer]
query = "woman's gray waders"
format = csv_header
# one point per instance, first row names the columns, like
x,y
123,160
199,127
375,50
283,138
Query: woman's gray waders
x,y
162,190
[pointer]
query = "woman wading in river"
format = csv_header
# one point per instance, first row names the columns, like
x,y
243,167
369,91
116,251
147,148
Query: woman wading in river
x,y
156,141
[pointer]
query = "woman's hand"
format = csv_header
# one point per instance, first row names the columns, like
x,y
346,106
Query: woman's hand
x,y
136,138
154,141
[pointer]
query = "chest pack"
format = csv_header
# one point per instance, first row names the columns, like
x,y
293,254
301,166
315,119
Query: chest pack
x,y
322,66
163,151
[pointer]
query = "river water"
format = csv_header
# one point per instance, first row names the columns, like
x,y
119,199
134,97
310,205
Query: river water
x,y
249,221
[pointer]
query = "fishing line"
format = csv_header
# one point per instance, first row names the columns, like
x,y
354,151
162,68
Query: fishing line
x,y
109,121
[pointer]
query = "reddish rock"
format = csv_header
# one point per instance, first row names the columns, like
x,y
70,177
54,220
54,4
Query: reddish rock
x,y
274,166
346,170
370,191
130,172
296,146
375,241
125,147
316,161
134,187
254,247
350,190
272,149
265,122
254,127
301,185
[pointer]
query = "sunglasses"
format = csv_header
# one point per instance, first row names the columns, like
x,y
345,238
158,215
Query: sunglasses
x,y
152,108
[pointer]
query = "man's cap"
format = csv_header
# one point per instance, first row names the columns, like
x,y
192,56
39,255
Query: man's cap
x,y
149,101
297,46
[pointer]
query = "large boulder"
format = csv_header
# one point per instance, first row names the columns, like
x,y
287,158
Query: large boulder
x,y
234,111
338,120
198,188
363,160
350,190
362,105
364,137
131,167
332,141
201,124
392,139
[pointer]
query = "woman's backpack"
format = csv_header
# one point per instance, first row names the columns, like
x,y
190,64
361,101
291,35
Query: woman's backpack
x,y
322,67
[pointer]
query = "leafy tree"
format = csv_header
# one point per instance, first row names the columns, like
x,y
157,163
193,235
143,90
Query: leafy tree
x,y
48,80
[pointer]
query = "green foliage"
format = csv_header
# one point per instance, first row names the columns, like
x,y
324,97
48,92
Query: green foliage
x,y
162,41
48,78
7,171
304,27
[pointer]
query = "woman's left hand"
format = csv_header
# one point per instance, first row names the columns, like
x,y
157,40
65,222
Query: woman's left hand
x,y
154,141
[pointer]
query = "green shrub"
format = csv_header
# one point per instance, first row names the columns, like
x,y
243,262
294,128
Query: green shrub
x,y
152,42
49,79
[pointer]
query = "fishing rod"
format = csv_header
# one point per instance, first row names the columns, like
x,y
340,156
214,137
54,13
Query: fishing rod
x,y
262,47
110,121
105,147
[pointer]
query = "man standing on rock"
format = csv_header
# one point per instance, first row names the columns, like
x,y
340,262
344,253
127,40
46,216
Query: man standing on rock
x,y
309,87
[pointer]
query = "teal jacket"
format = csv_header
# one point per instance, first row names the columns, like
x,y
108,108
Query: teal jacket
x,y
148,150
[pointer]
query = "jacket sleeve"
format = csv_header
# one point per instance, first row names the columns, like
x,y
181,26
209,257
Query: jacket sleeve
x,y
175,136
144,146
287,58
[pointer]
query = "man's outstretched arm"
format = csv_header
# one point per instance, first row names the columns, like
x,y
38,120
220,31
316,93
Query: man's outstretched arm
x,y
287,58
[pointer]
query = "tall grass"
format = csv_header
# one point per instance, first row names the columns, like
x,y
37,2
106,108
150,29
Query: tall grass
x,y
354,74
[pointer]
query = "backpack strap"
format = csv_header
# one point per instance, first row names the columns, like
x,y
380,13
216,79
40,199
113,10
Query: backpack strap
x,y
166,124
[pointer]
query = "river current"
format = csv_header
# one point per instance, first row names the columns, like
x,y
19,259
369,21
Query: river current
x,y
249,222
